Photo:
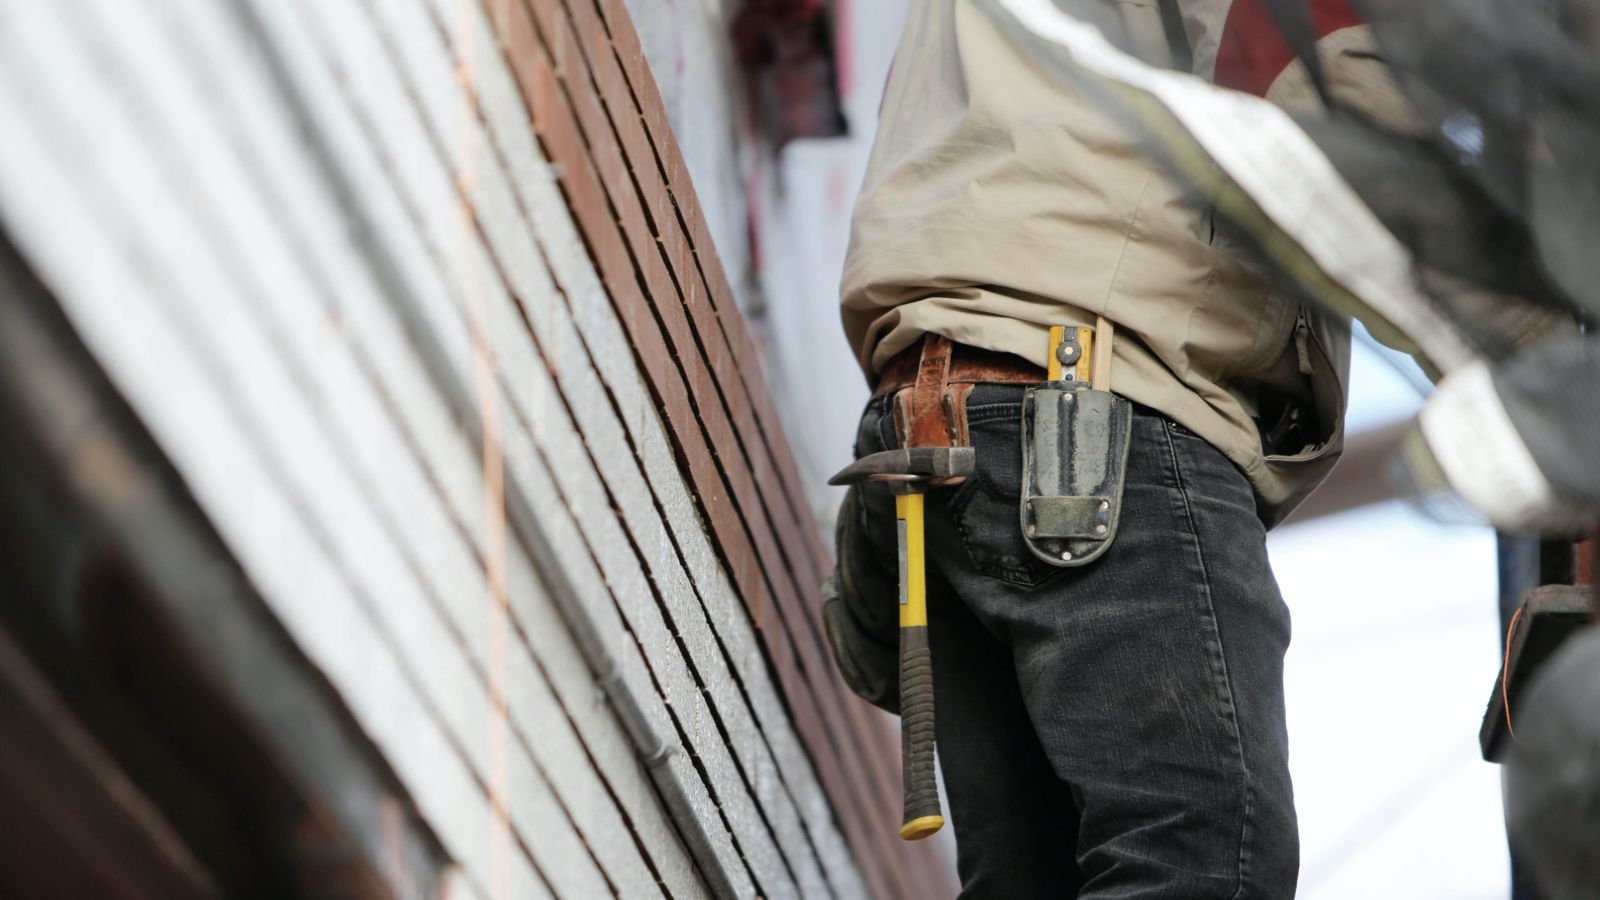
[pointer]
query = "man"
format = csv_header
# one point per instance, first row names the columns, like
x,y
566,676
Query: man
x,y
1112,729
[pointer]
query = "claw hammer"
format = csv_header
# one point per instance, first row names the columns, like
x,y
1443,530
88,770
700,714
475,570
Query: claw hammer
x,y
908,472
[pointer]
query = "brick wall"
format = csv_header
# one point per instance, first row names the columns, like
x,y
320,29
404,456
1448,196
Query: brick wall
x,y
418,299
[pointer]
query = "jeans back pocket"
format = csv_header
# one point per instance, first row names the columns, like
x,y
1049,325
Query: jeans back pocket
x,y
984,507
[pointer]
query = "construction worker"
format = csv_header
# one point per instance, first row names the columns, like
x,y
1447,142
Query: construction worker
x,y
1110,725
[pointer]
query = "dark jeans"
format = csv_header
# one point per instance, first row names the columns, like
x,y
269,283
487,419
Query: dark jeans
x,y
1115,730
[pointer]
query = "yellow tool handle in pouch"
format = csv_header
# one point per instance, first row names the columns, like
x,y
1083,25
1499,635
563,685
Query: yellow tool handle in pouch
x,y
1079,355
1100,375
922,816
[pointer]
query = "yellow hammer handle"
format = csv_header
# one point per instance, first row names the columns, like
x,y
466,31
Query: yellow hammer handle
x,y
909,510
922,816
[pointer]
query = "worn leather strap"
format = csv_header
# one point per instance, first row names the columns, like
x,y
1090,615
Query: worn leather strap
x,y
931,381
956,410
929,426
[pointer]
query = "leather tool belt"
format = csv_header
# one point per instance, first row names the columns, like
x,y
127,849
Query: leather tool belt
x,y
931,381
1075,439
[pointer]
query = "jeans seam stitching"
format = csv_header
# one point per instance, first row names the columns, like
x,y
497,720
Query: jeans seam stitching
x,y
993,412
1220,659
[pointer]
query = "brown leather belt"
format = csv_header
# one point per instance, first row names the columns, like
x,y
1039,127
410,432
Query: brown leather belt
x,y
968,365
931,380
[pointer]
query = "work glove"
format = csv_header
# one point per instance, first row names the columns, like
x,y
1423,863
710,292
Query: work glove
x,y
860,610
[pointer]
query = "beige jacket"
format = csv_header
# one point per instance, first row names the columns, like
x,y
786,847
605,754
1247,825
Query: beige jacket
x,y
998,202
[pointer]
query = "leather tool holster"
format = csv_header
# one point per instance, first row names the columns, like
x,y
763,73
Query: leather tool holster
x,y
1075,439
931,382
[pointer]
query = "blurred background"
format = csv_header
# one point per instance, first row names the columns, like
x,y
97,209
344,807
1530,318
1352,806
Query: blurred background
x,y
1396,646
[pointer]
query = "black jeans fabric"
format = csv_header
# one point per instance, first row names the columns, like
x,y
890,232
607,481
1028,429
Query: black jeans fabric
x,y
1115,730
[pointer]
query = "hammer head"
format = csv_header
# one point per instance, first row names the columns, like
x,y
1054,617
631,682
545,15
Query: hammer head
x,y
909,464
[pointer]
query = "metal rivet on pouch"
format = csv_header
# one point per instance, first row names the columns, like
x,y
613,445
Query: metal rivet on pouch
x,y
1066,555
1099,529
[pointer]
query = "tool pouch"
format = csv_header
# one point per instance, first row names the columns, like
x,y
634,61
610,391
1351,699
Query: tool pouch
x,y
1074,459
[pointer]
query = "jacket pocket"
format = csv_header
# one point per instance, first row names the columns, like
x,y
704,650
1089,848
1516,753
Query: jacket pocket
x,y
1310,466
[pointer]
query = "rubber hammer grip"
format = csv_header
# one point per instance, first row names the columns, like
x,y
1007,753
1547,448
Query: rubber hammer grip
x,y
922,816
